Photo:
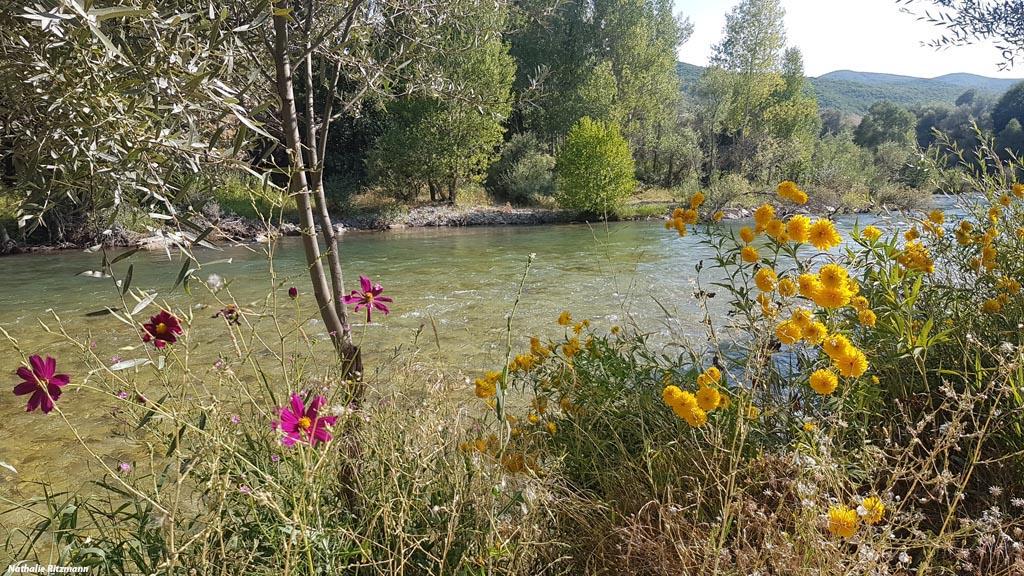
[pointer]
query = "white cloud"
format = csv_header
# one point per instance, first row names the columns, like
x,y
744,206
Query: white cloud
x,y
863,35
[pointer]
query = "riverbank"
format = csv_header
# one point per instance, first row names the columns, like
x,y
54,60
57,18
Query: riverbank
x,y
242,230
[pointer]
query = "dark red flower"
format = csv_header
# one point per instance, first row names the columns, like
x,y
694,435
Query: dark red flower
x,y
369,297
42,381
162,329
293,292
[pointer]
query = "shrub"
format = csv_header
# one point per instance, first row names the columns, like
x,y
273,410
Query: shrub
x,y
595,168
523,173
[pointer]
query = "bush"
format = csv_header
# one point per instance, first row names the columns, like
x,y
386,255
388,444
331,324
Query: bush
x,y
595,168
523,173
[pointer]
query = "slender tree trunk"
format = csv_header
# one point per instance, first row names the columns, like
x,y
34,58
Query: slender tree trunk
x,y
297,183
350,355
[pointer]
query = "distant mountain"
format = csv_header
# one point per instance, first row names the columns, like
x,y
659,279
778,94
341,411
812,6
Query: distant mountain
x,y
854,92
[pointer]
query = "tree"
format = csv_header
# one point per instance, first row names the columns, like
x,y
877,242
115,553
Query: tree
x,y
1009,106
929,119
608,59
1011,140
758,115
753,40
968,97
885,122
595,168
104,109
441,142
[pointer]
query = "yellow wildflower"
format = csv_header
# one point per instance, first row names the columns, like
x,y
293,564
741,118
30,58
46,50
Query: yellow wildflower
x,y
747,234
823,234
936,216
776,229
833,276
872,509
859,303
766,279
762,216
802,318
714,373
992,306
852,363
787,287
798,228
871,233
842,521
717,216
565,318
912,234
836,345
832,297
708,398
749,254
824,382
809,284
867,317
815,333
788,332
696,200
753,412
1018,190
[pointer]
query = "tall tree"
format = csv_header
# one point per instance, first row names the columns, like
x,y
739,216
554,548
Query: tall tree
x,y
754,38
438,141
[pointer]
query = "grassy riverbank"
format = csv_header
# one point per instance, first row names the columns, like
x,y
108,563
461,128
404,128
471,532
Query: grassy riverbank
x,y
860,414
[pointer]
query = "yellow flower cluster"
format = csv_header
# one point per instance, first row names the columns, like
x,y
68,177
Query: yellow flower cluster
x,y
831,287
487,385
766,280
681,217
847,358
791,192
694,408
844,521
915,256
871,233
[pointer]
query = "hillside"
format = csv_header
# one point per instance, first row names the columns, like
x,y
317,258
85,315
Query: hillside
x,y
854,92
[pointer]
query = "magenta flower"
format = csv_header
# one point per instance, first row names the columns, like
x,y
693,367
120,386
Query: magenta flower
x,y
162,329
293,292
369,297
42,381
302,423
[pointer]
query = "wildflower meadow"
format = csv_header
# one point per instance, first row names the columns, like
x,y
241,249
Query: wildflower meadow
x,y
858,410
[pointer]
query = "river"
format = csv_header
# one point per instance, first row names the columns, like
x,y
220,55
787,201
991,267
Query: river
x,y
462,282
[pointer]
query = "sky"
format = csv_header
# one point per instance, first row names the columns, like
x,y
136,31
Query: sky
x,y
861,35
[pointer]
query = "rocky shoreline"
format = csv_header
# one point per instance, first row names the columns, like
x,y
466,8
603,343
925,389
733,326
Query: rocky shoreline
x,y
230,228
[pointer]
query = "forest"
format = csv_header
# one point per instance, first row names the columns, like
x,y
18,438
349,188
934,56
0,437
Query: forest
x,y
484,111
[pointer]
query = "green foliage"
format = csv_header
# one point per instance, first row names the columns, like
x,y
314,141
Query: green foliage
x,y
758,114
105,106
1011,139
885,122
612,60
1009,106
440,142
595,168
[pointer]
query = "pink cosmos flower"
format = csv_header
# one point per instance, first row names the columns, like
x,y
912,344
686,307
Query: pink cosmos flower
x,y
302,423
162,329
369,297
42,381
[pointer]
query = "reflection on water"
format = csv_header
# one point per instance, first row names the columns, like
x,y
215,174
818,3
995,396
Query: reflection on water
x,y
461,281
